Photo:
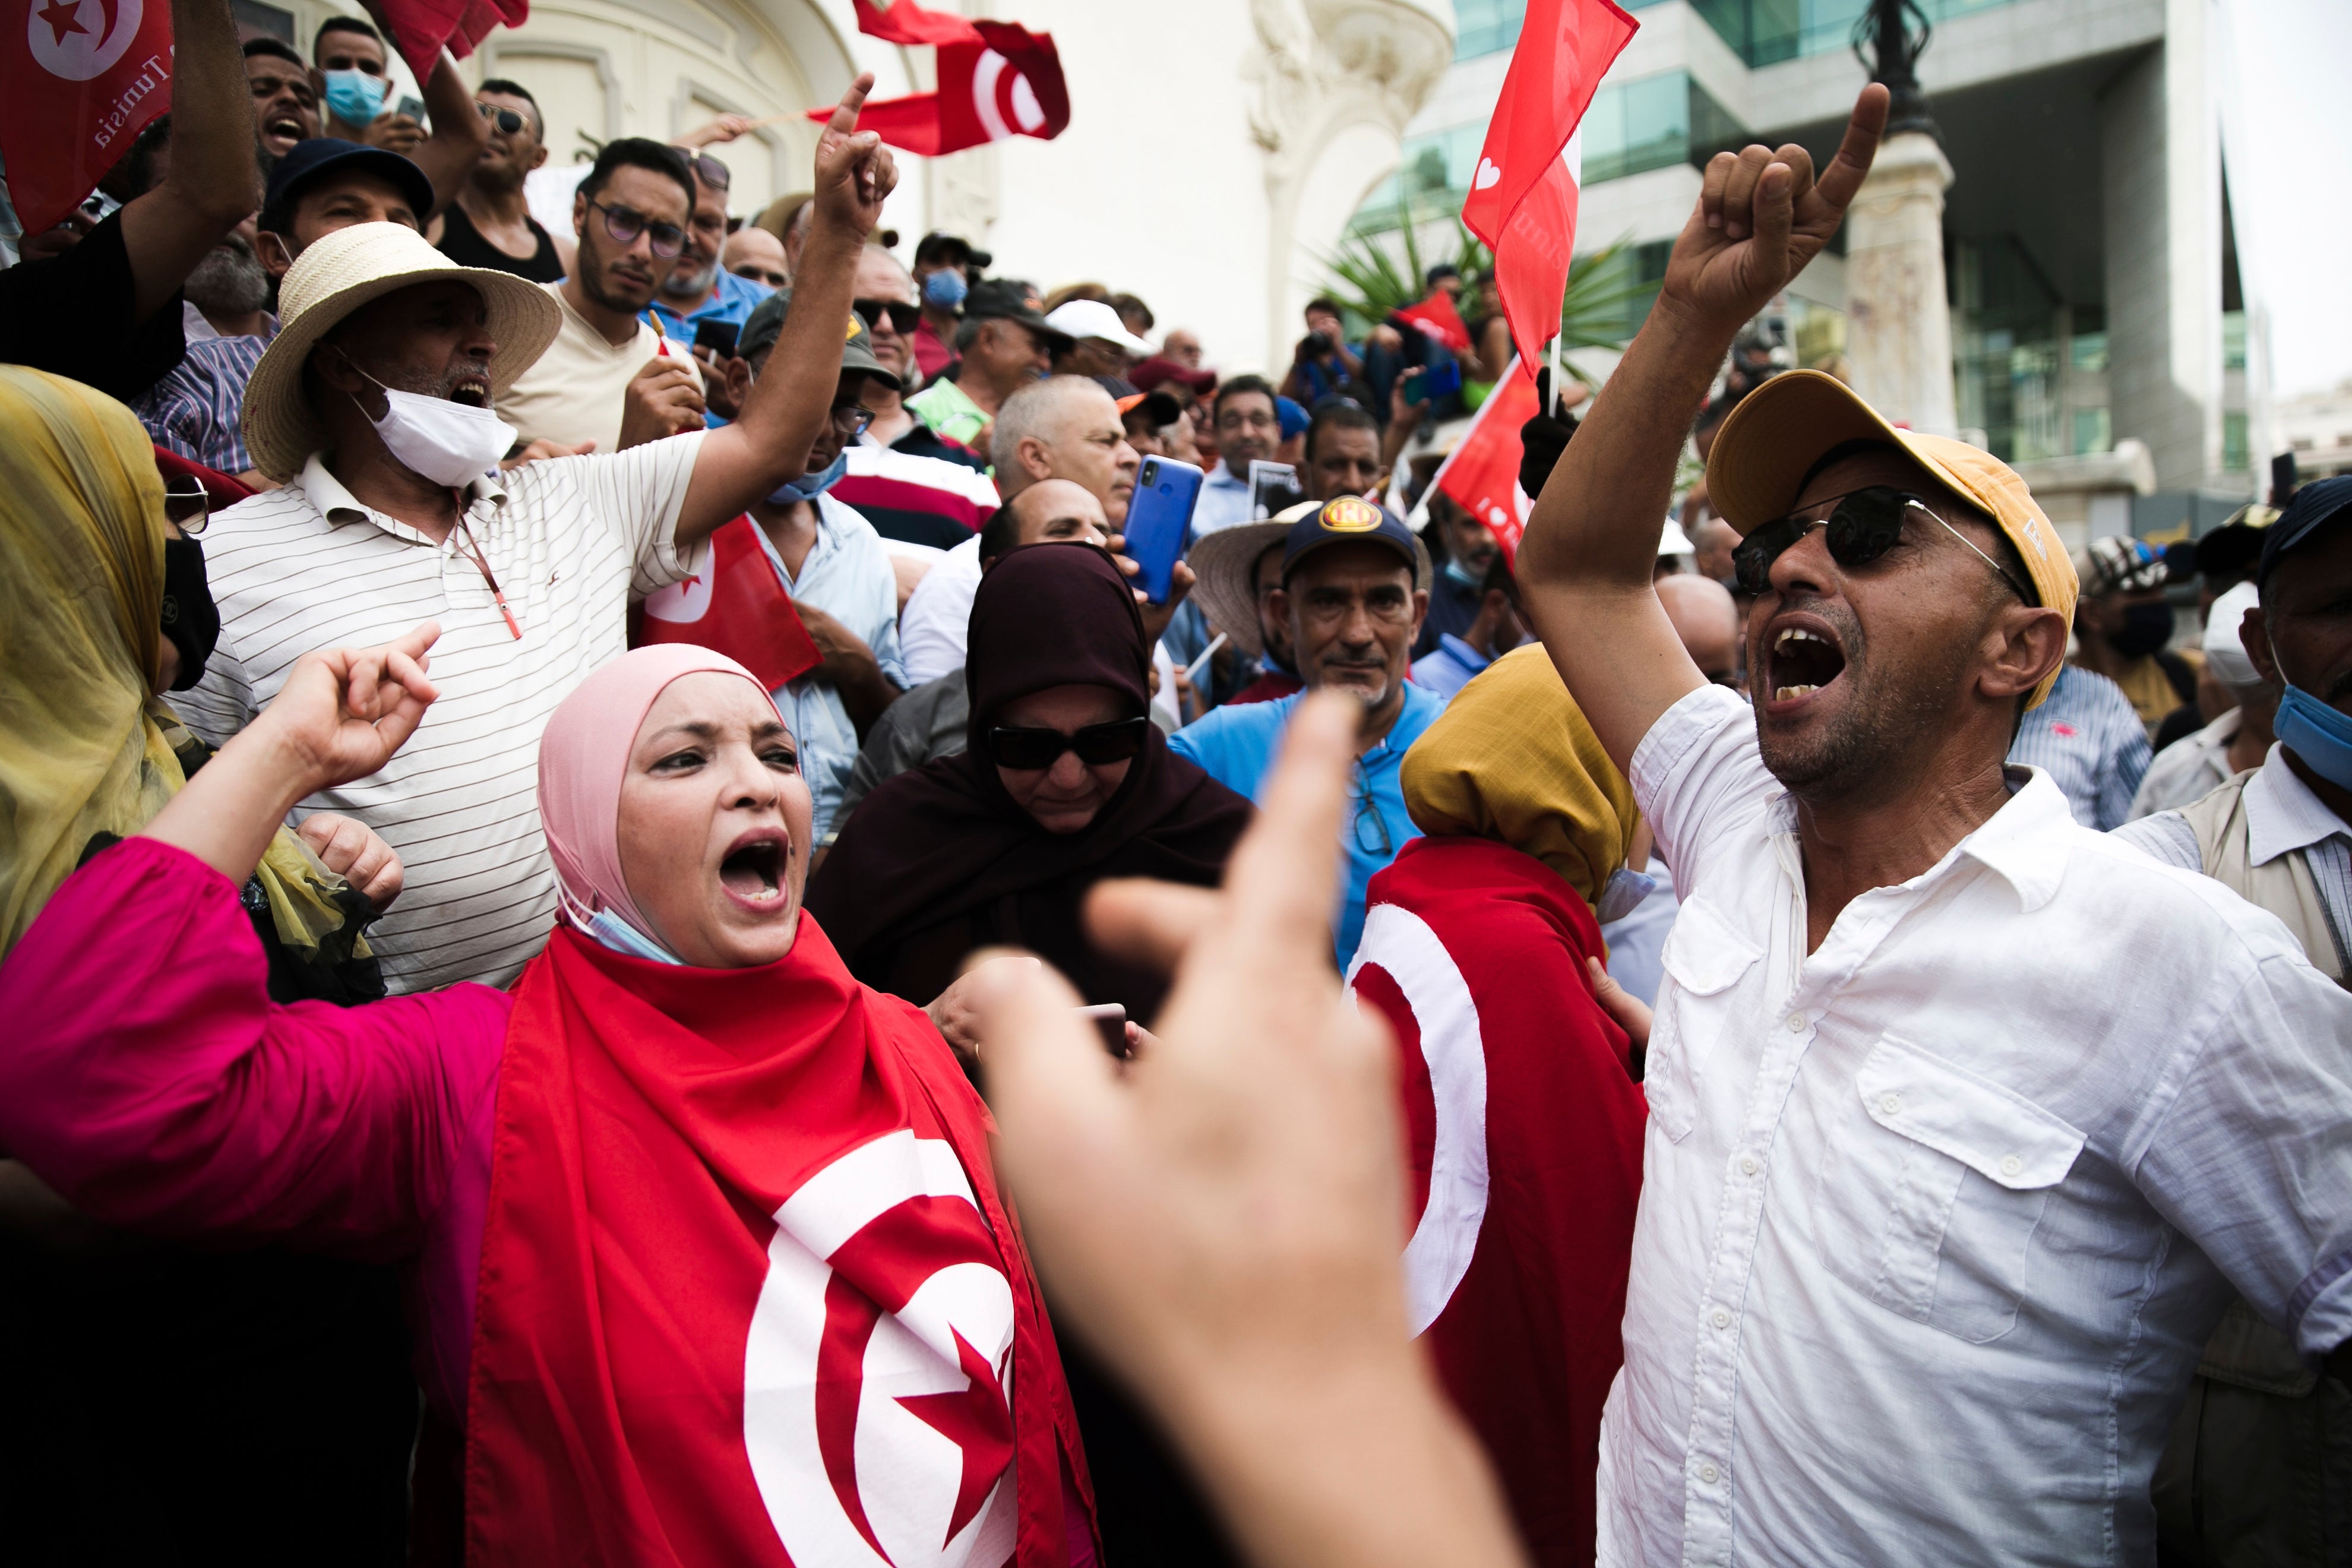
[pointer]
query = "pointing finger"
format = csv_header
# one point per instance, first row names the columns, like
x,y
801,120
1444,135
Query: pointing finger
x,y
1843,177
844,113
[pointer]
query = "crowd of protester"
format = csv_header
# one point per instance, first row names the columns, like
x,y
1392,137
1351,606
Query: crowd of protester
x,y
547,773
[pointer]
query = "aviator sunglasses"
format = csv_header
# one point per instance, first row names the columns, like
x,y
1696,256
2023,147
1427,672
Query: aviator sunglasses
x,y
1860,528
904,317
1034,751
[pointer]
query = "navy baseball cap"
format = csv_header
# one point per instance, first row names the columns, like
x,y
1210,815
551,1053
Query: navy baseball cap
x,y
306,161
1350,519
2314,506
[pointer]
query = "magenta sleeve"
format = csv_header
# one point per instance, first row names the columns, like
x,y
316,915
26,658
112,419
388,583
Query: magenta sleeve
x,y
148,1077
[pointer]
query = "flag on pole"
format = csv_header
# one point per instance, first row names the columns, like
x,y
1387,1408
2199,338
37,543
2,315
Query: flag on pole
x,y
421,28
84,78
1523,194
996,81
1482,473
734,605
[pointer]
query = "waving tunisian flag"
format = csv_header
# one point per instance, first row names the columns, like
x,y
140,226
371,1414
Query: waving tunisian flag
x,y
422,27
735,604
1522,198
84,78
1482,473
996,81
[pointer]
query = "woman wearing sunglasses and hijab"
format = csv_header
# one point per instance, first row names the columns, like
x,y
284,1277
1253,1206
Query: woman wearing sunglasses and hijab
x,y
165,1404
703,1246
1066,782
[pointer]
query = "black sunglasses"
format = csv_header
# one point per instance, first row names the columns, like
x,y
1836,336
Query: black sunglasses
x,y
188,505
1860,527
506,119
624,224
903,316
1034,751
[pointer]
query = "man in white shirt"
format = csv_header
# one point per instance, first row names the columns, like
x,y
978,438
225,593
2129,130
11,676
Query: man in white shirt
x,y
611,379
1965,1120
374,400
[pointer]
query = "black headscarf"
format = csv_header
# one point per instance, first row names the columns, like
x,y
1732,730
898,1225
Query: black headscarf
x,y
942,859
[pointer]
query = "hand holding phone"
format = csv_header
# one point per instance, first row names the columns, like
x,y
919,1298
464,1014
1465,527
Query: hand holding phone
x,y
1159,520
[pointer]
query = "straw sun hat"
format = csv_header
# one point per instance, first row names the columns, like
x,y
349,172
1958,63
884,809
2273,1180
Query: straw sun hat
x,y
335,276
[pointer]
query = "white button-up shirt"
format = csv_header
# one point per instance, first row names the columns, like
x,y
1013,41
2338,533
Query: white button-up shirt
x,y
569,541
1936,1219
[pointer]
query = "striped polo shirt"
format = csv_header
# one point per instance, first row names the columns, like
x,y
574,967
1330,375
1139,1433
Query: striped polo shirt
x,y
571,541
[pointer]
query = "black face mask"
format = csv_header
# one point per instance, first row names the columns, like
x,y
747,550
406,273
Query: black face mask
x,y
190,618
2145,629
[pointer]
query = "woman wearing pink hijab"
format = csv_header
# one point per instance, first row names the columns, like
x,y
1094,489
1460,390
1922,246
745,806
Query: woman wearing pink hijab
x,y
705,1258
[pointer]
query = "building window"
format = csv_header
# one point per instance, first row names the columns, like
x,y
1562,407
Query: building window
x,y
1652,122
2234,456
1490,26
1764,32
2093,432
2234,340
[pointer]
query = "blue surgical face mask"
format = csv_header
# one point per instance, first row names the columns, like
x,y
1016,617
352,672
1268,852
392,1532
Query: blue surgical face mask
x,y
1625,890
808,487
610,931
2317,733
945,289
354,97
1468,579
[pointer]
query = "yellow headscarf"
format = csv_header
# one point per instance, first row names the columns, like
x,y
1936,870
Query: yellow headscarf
x,y
85,746
1512,758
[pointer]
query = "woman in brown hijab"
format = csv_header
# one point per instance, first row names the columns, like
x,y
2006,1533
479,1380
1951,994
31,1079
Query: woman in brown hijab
x,y
1066,782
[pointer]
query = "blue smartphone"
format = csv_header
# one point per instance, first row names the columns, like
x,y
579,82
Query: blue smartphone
x,y
1158,517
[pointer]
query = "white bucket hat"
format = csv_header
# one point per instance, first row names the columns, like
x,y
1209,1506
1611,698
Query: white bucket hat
x,y
335,276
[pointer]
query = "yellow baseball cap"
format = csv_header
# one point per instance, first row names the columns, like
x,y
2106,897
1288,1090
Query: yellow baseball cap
x,y
1780,431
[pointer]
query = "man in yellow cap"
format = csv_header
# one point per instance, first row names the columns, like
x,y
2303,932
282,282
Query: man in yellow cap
x,y
1964,1119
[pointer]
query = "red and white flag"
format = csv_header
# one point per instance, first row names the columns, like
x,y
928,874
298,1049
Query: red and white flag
x,y
421,28
83,78
734,605
1482,473
1522,199
997,79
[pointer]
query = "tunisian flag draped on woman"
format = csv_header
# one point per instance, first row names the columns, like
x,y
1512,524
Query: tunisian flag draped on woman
x,y
842,1357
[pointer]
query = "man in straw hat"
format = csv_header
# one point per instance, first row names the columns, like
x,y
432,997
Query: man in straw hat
x,y
377,405
1964,1119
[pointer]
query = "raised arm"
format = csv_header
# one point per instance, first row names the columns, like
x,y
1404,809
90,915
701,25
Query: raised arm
x,y
215,181
769,441
459,132
1584,567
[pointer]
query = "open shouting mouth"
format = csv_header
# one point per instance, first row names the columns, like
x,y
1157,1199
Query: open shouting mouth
x,y
752,870
1803,657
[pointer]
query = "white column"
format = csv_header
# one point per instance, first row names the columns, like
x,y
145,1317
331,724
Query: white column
x,y
1898,318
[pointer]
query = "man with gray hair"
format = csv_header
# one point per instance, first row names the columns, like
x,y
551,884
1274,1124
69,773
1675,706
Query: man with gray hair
x,y
1066,427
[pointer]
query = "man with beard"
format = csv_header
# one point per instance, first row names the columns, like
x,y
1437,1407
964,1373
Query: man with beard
x,y
487,222
318,186
699,289
1355,586
611,379
1964,1119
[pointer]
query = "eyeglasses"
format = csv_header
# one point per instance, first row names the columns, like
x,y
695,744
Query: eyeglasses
x,y
1034,751
713,172
624,224
1367,809
1860,527
506,119
904,317
189,509
851,419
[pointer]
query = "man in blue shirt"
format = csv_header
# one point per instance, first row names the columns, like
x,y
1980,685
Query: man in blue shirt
x,y
698,288
1355,586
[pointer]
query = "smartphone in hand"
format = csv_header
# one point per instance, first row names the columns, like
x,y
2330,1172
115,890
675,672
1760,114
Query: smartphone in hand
x,y
1158,517
719,337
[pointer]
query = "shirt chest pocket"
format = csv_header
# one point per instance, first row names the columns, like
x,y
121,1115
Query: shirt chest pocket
x,y
1706,958
1934,1182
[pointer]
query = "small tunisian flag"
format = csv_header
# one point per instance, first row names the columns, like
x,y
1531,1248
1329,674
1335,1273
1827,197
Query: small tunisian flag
x,y
996,79
1523,1128
1482,472
734,605
421,27
1523,196
1436,319
84,78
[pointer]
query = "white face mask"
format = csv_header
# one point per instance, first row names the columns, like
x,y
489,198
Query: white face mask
x,y
449,443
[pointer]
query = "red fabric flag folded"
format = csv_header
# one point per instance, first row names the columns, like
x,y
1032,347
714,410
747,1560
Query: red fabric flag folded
x,y
996,81
84,78
422,27
1523,1127
1436,318
1482,473
1522,199
734,605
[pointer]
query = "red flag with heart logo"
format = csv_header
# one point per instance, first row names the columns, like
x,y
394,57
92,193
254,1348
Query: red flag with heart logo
x,y
749,1294
1482,473
1522,199
734,605
1523,1129
421,28
996,81
1436,319
84,78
